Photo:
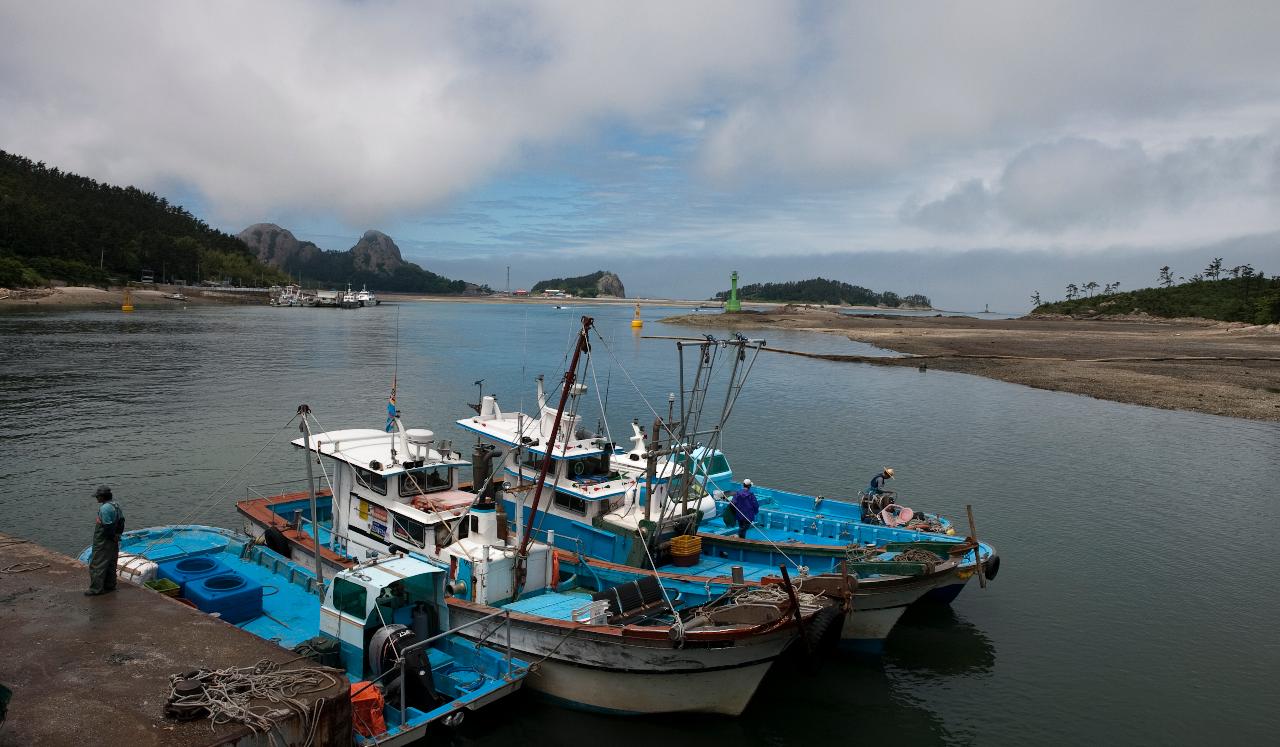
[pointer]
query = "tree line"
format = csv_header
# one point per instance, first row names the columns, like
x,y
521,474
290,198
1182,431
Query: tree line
x,y
1239,293
55,225
824,291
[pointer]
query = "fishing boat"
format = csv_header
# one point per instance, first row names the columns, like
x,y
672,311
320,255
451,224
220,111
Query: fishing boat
x,y
628,508
817,528
289,295
328,299
366,298
626,641
600,510
349,299
385,622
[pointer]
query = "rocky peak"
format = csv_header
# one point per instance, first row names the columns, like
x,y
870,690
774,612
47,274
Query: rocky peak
x,y
376,252
276,246
610,284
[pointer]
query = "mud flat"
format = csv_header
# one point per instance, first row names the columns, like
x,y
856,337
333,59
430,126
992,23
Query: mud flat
x,y
1218,368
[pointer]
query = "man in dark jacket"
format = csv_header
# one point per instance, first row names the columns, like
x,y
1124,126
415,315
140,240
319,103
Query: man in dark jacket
x,y
877,496
744,506
106,544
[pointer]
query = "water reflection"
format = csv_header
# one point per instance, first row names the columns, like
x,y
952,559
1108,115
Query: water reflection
x,y
933,639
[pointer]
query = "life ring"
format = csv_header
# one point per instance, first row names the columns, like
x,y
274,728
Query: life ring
x,y
579,467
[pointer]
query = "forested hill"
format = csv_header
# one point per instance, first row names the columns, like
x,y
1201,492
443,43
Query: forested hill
x,y
821,290
1246,297
598,283
55,225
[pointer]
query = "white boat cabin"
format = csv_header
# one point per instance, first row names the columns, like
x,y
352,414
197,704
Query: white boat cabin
x,y
589,478
398,490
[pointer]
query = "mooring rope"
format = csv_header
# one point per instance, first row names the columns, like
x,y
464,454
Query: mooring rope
x,y
227,695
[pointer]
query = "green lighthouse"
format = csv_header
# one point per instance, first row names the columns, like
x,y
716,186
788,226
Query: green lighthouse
x,y
733,305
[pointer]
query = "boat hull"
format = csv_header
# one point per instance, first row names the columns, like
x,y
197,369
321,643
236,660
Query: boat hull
x,y
877,605
609,673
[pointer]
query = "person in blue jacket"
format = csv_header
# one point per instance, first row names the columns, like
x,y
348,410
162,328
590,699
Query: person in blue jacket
x,y
744,506
106,544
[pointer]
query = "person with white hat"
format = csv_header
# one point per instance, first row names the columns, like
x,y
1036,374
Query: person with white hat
x,y
744,506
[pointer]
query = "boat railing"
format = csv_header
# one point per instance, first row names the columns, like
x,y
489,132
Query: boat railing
x,y
273,487
405,652
550,537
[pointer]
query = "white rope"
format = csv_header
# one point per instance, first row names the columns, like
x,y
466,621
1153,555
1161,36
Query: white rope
x,y
228,694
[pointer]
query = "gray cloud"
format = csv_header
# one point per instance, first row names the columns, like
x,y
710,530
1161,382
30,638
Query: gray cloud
x,y
1083,183
363,109
891,86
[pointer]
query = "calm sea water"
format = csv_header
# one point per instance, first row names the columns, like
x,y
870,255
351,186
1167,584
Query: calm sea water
x,y
1137,602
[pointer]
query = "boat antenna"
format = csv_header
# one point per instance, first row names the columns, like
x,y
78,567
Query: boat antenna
x,y
569,374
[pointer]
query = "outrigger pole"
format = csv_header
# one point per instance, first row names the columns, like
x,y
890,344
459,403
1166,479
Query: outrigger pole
x,y
569,376
304,411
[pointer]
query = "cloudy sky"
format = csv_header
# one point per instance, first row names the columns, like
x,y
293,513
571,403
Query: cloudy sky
x,y
971,151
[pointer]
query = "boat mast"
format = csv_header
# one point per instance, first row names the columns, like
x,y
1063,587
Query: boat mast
x,y
570,373
304,411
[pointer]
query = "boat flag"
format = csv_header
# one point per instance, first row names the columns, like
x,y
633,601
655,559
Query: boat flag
x,y
391,406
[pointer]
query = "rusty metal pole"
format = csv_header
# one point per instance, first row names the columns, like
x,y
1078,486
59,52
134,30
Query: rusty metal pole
x,y
977,548
795,604
569,377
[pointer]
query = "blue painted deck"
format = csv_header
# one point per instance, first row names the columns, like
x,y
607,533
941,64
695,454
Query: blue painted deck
x,y
557,605
463,672
288,589
712,566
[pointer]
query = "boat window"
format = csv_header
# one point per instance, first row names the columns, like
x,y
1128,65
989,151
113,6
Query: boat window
x,y
422,483
713,466
371,480
349,597
408,530
571,503
590,470
531,459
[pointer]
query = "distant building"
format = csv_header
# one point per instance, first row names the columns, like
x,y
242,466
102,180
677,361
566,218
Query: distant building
x,y
520,292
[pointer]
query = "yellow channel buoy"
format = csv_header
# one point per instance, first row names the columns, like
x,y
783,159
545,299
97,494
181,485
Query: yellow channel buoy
x,y
637,323
127,303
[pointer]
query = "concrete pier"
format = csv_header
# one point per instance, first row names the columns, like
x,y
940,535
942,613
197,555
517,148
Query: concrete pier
x,y
95,670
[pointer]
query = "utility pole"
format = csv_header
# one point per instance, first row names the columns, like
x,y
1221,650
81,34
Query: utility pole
x,y
508,280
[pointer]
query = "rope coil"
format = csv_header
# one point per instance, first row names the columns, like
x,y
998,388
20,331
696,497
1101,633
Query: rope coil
x,y
227,696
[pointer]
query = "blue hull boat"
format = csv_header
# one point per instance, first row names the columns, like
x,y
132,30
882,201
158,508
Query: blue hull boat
x,y
819,532
384,622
